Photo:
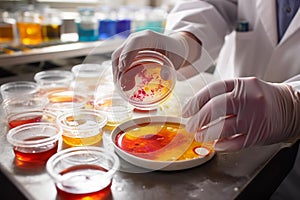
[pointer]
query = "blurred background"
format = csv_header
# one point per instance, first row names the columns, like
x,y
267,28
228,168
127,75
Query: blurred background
x,y
38,35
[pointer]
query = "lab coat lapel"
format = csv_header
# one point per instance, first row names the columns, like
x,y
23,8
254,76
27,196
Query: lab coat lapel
x,y
266,10
293,27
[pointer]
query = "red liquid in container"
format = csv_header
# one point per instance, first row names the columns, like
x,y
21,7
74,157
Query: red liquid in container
x,y
36,154
85,186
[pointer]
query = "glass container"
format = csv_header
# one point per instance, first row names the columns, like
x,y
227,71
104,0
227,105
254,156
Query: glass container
x,y
148,81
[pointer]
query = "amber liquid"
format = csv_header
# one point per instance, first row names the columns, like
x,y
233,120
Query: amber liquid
x,y
82,141
24,120
30,33
37,155
51,32
85,186
6,33
162,142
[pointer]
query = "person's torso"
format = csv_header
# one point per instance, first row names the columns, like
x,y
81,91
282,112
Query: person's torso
x,y
257,51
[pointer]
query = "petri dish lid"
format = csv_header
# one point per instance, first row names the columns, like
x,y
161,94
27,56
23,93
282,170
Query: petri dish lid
x,y
148,82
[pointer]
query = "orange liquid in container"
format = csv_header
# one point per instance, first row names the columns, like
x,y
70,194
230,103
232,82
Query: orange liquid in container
x,y
51,32
24,120
36,154
30,33
162,142
84,186
6,32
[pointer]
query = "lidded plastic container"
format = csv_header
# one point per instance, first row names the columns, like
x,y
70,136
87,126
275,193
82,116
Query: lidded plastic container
x,y
148,82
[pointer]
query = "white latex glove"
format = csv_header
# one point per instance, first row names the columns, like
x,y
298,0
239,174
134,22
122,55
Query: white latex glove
x,y
173,46
258,113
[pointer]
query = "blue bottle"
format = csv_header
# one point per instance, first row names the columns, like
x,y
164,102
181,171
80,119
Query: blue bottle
x,y
87,25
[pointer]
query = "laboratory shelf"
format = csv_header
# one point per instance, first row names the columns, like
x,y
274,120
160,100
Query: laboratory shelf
x,y
26,54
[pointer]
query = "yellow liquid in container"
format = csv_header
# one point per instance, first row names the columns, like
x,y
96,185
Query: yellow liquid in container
x,y
30,33
82,141
162,142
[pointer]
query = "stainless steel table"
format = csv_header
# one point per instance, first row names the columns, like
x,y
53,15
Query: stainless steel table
x,y
252,173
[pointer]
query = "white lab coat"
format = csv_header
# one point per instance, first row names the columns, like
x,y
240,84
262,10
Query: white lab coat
x,y
253,53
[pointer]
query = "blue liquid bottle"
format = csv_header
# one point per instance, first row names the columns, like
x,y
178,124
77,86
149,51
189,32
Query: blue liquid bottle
x,y
107,23
124,22
87,25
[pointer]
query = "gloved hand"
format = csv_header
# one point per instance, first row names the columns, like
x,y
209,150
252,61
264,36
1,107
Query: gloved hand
x,y
173,46
244,112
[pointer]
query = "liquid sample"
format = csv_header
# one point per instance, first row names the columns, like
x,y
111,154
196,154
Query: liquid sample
x,y
30,33
87,32
36,154
24,120
81,132
107,28
123,27
161,142
51,32
6,32
84,184
61,96
143,84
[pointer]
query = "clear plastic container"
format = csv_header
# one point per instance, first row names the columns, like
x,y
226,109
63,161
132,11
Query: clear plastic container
x,y
116,109
148,82
83,172
64,100
34,116
53,79
82,127
35,142
24,104
87,77
18,89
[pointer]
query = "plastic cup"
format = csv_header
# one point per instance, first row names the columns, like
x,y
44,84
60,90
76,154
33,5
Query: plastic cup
x,y
18,89
24,104
83,172
148,81
34,116
116,109
82,127
87,77
64,100
53,79
35,142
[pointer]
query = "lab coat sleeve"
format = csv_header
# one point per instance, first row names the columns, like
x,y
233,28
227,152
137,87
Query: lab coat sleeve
x,y
294,82
208,20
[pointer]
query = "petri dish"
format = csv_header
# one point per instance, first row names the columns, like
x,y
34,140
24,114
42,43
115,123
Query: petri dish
x,y
34,142
82,127
148,81
18,89
116,108
159,143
